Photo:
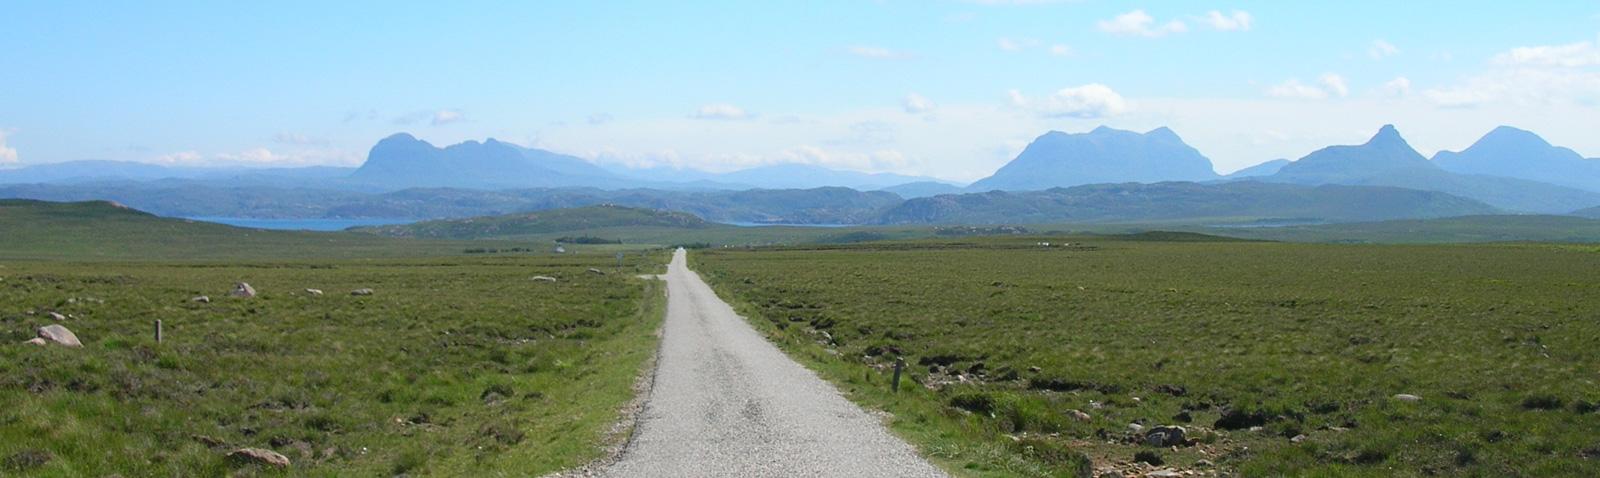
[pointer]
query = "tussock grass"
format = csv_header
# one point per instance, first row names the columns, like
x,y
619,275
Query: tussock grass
x,y
454,367
1498,340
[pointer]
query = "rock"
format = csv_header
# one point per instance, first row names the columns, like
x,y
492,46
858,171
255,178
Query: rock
x,y
1406,397
58,334
1298,439
202,299
361,292
1035,369
596,271
543,279
1165,436
1136,428
1204,464
242,291
1111,474
314,291
57,316
1078,415
257,456
1162,474
37,341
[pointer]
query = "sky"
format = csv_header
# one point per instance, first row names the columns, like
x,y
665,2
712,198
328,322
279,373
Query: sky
x,y
944,88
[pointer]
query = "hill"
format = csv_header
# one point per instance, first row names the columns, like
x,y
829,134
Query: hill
x,y
922,189
576,220
1264,169
1247,202
1105,155
103,230
1515,153
1387,160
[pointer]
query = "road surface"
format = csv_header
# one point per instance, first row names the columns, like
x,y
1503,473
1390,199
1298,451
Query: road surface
x,y
728,403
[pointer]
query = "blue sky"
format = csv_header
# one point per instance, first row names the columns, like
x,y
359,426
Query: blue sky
x,y
951,89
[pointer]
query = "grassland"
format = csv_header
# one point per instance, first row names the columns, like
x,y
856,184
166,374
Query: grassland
x,y
1283,359
455,366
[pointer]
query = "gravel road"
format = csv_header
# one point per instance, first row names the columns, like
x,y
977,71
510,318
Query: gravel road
x,y
728,403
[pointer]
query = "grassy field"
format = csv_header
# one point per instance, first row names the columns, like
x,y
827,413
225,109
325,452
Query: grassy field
x,y
1282,359
456,366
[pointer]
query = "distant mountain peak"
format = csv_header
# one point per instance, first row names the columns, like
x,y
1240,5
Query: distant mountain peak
x,y
1103,155
1387,135
401,136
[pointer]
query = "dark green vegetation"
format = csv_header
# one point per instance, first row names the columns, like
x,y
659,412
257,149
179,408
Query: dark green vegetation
x,y
453,367
543,222
100,230
1005,337
1244,202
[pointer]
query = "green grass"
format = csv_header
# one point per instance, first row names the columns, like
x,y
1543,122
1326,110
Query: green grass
x,y
458,366
1305,339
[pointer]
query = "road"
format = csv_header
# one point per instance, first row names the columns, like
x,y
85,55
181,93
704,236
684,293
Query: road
x,y
728,403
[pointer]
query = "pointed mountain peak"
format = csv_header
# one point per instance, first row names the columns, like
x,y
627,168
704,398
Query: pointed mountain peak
x,y
1164,133
400,137
1386,134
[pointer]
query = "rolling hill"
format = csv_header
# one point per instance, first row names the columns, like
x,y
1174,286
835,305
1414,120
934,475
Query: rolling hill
x,y
574,220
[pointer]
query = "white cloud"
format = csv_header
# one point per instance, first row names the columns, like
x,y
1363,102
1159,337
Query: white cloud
x,y
258,155
190,158
878,53
444,117
720,111
1061,50
1334,84
1293,88
1382,49
851,160
287,137
8,155
1019,2
1238,20
1562,74
600,118
1399,87
1328,85
1575,55
1093,100
1138,23
915,103
1016,44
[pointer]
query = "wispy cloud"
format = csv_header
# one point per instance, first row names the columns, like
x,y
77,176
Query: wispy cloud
x,y
878,53
1238,20
915,103
1328,85
600,118
1093,100
1399,86
444,117
8,155
1554,74
287,137
433,117
1382,49
720,111
1060,49
1573,55
1139,23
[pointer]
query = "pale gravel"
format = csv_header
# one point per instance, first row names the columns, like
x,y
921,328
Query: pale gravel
x,y
725,402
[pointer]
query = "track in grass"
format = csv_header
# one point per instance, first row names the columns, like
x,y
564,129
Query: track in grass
x,y
728,403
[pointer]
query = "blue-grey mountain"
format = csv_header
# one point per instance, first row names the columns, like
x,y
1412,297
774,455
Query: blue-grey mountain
x,y
1104,155
1387,160
1516,153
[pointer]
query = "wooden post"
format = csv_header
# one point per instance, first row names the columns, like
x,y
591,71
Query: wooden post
x,y
158,331
899,366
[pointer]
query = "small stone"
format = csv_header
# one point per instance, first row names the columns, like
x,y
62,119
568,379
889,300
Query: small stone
x,y
1035,369
596,271
314,291
1162,474
57,316
37,341
1257,429
259,456
543,279
202,299
1406,397
1111,474
361,292
58,334
1298,439
242,291
1078,415
1165,436
1204,464
1136,428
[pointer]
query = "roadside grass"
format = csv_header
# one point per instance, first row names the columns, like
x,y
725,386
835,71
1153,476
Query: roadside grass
x,y
1249,345
456,366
